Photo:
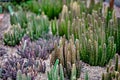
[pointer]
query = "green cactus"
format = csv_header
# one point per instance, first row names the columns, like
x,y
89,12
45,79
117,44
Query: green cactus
x,y
113,72
38,26
73,74
97,43
1,11
68,55
57,72
86,76
21,76
13,36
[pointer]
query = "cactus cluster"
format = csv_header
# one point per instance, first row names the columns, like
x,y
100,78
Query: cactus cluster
x,y
50,7
112,23
13,64
20,18
68,54
13,36
113,72
57,72
37,26
97,46
32,25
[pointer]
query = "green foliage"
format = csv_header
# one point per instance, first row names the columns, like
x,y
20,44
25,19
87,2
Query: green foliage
x,y
51,8
86,76
21,76
13,36
53,73
38,25
18,18
1,9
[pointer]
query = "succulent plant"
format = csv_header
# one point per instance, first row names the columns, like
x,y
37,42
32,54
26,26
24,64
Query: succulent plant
x,y
51,8
67,53
21,76
38,26
96,41
1,9
19,17
13,64
39,49
113,72
57,72
86,76
13,36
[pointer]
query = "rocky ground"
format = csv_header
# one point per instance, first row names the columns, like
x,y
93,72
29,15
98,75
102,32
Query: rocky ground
x,y
93,71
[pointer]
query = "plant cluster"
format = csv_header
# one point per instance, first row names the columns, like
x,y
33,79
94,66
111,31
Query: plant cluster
x,y
68,54
37,26
13,36
19,18
32,25
97,46
37,50
13,64
113,72
50,7
57,72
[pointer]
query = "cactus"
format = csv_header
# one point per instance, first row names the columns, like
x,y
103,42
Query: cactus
x,y
57,72
21,76
97,43
1,10
113,72
13,36
51,11
38,26
19,17
86,76
68,55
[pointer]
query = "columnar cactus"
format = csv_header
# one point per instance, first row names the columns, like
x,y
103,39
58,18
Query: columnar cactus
x,y
96,41
13,36
57,72
38,25
21,76
68,54
19,17
113,72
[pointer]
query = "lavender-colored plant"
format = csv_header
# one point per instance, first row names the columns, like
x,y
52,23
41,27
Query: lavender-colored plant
x,y
38,49
13,64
